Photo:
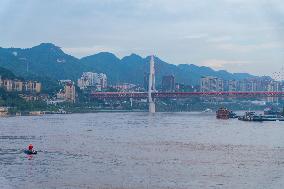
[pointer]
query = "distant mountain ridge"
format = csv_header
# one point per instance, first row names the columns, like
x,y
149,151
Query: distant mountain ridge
x,y
49,60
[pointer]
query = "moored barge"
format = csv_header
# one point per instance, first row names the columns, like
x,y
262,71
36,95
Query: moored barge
x,y
224,113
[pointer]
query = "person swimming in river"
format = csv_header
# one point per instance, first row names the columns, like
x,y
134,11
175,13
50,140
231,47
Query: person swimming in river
x,y
30,150
30,147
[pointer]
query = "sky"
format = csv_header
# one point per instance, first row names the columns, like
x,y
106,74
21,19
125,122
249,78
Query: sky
x,y
235,35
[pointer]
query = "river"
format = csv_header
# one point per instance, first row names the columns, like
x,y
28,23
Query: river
x,y
139,150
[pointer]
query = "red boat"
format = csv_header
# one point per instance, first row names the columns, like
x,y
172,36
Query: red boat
x,y
223,113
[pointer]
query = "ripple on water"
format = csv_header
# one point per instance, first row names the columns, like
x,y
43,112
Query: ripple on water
x,y
138,150
17,137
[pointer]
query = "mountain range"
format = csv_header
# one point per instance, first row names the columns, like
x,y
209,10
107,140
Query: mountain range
x,y
49,60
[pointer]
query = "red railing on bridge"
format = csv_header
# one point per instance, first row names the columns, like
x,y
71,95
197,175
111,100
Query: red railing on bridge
x,y
245,94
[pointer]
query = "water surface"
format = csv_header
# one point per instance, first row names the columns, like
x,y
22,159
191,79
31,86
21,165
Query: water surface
x,y
138,150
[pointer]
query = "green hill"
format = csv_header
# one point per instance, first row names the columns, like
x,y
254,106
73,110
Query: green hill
x,y
48,60
6,74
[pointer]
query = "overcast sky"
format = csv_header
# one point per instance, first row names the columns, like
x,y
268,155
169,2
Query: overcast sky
x,y
236,35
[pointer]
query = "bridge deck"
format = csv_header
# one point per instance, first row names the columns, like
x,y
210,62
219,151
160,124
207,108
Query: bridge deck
x,y
245,94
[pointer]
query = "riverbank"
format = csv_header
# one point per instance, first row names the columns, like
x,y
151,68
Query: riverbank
x,y
41,113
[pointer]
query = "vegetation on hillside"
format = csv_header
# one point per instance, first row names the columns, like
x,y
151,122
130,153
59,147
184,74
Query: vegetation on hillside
x,y
50,61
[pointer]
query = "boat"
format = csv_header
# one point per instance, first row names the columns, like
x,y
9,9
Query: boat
x,y
248,116
252,116
272,118
30,152
273,111
224,113
233,115
208,110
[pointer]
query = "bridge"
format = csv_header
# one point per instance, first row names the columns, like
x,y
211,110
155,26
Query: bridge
x,y
152,94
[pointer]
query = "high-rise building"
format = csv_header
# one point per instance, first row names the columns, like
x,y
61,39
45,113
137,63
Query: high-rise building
x,y
32,86
70,92
8,85
102,80
168,83
275,87
242,86
18,86
210,83
256,84
233,85
90,79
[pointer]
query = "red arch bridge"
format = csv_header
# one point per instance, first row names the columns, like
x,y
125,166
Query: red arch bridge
x,y
118,95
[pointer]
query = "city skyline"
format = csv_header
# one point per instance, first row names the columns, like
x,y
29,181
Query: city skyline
x,y
235,35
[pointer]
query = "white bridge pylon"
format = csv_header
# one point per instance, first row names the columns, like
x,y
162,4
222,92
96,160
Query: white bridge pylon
x,y
151,86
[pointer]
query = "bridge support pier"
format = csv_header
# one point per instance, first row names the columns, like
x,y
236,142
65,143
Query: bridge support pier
x,y
151,86
152,107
